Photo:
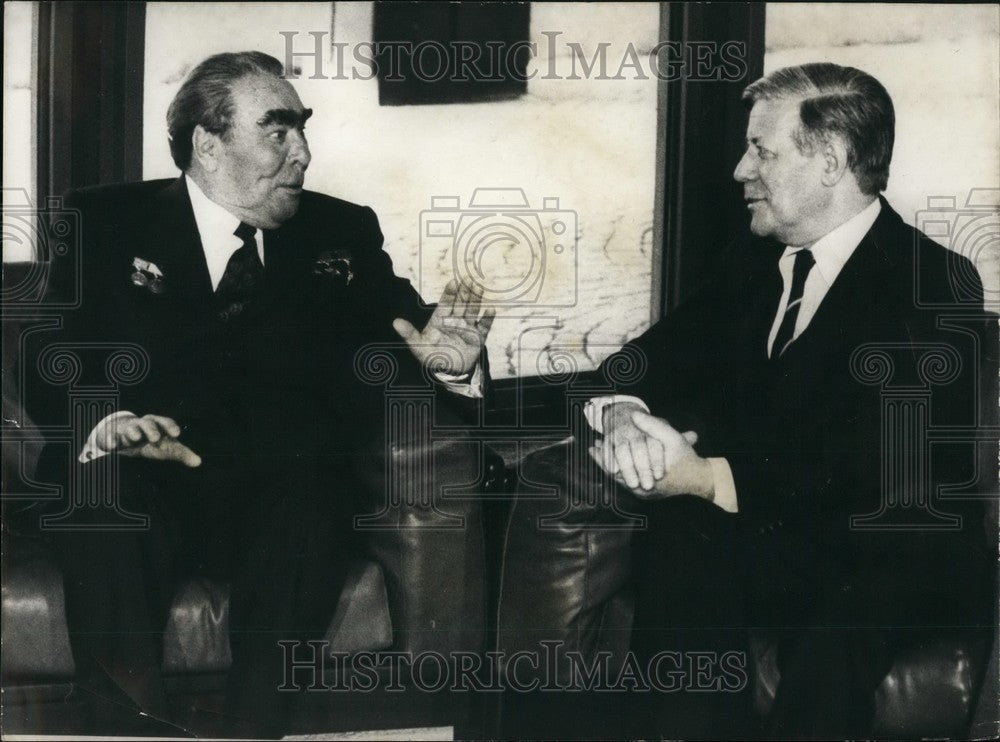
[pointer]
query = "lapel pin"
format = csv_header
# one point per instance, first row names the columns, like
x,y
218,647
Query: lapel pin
x,y
148,274
336,264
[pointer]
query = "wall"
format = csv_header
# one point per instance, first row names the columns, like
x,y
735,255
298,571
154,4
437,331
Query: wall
x,y
588,143
941,65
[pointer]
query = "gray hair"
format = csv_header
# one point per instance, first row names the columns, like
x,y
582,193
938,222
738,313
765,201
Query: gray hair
x,y
206,98
837,100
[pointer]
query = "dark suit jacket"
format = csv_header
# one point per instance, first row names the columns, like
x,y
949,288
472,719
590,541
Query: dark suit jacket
x,y
282,379
803,433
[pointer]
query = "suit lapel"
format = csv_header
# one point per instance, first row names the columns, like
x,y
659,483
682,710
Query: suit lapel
x,y
281,266
756,311
848,305
173,233
174,238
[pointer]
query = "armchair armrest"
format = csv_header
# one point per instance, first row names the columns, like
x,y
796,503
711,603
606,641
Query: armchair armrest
x,y
421,520
566,561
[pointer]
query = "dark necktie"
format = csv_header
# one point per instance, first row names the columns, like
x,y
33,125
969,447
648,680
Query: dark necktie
x,y
804,262
242,277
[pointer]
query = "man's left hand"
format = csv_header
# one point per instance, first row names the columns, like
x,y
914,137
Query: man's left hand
x,y
686,473
453,338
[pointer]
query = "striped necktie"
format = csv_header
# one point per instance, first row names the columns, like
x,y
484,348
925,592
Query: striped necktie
x,y
804,262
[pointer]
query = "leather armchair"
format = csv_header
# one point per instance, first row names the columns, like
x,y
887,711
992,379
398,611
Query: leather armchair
x,y
567,579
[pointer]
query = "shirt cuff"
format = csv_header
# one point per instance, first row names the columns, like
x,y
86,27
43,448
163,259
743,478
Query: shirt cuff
x,y
93,451
466,385
725,487
593,411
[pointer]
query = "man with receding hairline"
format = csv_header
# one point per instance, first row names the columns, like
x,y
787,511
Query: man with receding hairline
x,y
250,296
757,438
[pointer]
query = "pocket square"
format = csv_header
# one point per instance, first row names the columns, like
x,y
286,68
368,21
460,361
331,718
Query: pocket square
x,y
148,275
335,264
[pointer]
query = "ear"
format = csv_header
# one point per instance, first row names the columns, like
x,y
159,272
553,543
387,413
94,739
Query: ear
x,y
206,148
834,154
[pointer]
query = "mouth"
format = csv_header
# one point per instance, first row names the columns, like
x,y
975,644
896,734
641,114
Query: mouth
x,y
295,188
751,201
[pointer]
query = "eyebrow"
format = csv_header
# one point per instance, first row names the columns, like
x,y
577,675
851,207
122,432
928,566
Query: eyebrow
x,y
285,117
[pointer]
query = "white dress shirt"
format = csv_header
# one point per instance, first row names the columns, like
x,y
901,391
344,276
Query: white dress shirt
x,y
217,228
831,252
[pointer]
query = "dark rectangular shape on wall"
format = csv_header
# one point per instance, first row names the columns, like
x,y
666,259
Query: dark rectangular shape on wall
x,y
440,52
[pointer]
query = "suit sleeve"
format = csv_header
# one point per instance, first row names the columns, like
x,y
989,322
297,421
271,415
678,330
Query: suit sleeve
x,y
671,366
387,296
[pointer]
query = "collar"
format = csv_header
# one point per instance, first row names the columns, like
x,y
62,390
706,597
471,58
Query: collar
x,y
216,227
835,248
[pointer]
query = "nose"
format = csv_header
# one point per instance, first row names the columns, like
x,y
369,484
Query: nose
x,y
299,150
745,170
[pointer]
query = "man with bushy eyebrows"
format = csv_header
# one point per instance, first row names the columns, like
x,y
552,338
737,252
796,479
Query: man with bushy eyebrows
x,y
250,296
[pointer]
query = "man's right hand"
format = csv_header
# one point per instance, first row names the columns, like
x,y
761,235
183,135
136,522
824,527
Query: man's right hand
x,y
150,437
628,451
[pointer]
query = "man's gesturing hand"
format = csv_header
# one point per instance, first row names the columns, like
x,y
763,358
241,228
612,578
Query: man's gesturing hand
x,y
454,335
149,436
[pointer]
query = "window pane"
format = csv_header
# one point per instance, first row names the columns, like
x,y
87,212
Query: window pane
x,y
582,150
19,31
941,65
